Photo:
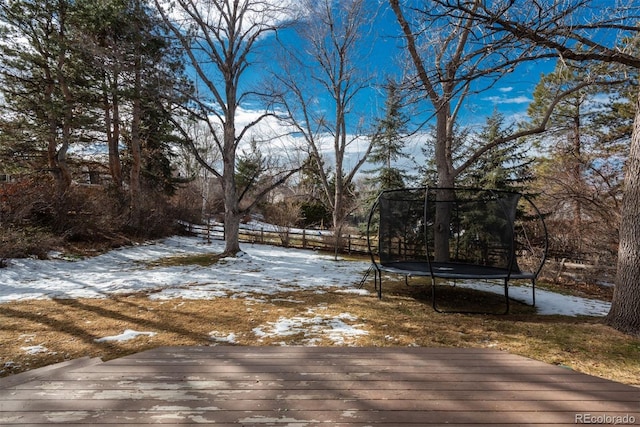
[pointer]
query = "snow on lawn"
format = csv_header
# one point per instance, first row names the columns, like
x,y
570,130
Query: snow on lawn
x,y
127,335
333,328
548,302
261,269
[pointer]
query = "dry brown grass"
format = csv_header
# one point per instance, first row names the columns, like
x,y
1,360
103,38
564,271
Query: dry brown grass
x,y
404,317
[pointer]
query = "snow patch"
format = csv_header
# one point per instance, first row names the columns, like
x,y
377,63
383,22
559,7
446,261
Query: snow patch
x,y
262,269
220,337
314,328
127,335
35,349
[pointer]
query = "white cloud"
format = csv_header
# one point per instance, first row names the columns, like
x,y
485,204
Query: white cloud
x,y
506,100
258,16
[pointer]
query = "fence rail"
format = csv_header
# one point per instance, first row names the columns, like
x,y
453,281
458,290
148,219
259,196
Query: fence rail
x,y
321,240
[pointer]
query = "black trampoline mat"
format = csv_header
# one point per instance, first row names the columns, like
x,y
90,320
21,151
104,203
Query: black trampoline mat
x,y
453,270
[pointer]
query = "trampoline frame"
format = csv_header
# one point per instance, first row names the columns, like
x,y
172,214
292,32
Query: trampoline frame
x,y
452,270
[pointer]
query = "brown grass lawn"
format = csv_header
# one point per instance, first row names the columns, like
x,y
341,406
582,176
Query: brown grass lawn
x,y
67,329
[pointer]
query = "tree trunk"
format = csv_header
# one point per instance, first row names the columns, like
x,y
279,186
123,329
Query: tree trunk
x,y
625,307
57,157
231,232
64,181
231,204
136,158
112,125
339,196
446,179
576,158
338,218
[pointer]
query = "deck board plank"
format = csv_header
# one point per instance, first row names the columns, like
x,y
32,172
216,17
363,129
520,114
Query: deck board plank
x,y
312,385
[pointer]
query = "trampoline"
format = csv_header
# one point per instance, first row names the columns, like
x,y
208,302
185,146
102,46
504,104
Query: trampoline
x,y
457,234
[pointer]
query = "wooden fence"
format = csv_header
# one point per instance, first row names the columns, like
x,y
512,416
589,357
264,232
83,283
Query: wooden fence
x,y
321,240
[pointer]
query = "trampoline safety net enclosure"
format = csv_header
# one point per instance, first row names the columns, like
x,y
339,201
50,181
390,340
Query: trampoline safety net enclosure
x,y
457,234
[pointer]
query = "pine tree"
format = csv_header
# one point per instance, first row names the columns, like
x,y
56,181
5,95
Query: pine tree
x,y
580,172
316,206
43,79
388,143
460,136
503,167
250,168
138,74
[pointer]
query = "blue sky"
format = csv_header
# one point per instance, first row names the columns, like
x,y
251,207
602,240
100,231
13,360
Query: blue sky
x,y
510,96
384,52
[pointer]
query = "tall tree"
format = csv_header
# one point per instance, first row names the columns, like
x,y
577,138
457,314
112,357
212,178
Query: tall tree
x,y
107,29
328,71
588,32
452,58
567,123
505,167
579,179
220,39
138,78
43,76
155,87
388,142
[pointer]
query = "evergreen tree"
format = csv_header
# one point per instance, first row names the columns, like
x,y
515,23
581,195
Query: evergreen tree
x,y
503,167
316,205
76,72
428,172
43,78
250,167
138,76
580,172
388,143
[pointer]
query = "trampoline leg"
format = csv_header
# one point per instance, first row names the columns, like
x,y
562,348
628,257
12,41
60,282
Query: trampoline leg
x,y
380,285
406,280
433,295
506,295
375,279
533,291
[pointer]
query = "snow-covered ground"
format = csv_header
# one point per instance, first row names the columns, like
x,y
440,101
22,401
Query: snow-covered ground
x,y
260,269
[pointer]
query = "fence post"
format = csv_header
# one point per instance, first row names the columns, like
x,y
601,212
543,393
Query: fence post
x,y
304,238
262,235
349,244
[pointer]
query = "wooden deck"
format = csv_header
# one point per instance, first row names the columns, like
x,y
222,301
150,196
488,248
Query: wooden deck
x,y
308,386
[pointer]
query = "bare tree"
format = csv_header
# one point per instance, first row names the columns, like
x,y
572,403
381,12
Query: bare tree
x,y
586,32
321,84
454,58
220,38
